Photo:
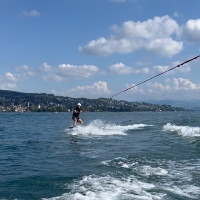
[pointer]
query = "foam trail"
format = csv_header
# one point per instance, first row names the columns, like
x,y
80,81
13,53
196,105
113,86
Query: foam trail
x,y
176,177
109,188
185,131
173,179
188,191
144,170
99,128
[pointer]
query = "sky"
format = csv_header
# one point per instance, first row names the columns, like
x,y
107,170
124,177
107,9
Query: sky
x,y
97,48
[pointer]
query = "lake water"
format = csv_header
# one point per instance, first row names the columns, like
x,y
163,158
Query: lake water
x,y
114,156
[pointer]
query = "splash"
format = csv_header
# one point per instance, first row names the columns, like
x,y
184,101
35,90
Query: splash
x,y
110,188
185,131
175,177
161,179
100,128
144,170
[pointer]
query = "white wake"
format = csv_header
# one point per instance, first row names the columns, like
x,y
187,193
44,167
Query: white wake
x,y
160,180
100,128
185,131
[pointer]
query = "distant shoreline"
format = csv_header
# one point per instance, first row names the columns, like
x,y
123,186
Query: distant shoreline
x,y
101,111
11,101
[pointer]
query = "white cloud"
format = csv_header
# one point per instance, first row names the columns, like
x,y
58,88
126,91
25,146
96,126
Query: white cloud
x,y
176,14
164,47
158,86
22,68
144,70
83,71
120,68
53,77
104,47
58,93
45,67
182,69
142,63
159,27
118,1
176,88
7,86
98,89
10,80
154,35
134,89
191,30
160,69
11,77
17,77
30,73
26,72
32,13
65,71
184,84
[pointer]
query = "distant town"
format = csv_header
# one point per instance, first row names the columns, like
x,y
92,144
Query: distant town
x,y
11,101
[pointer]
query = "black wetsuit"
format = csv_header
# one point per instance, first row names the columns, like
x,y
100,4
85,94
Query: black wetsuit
x,y
76,114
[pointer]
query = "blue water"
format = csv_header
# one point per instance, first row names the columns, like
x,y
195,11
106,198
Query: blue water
x,y
115,156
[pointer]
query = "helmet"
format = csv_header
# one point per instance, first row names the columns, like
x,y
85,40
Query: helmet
x,y
78,104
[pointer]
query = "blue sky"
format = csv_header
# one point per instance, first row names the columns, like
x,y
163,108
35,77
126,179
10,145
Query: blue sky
x,y
96,48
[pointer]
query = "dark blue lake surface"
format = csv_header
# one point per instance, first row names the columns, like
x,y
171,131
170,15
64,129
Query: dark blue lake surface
x,y
114,156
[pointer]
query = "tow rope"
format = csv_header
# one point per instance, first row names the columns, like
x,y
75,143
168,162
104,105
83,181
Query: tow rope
x,y
187,61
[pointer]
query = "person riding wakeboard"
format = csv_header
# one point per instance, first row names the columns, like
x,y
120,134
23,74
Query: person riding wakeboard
x,y
76,112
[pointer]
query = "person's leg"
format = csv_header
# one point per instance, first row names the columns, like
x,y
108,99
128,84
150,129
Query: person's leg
x,y
80,121
75,120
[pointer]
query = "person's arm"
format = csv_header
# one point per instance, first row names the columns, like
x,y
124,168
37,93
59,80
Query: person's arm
x,y
75,111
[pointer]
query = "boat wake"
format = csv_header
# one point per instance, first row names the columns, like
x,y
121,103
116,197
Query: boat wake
x,y
138,179
185,131
100,128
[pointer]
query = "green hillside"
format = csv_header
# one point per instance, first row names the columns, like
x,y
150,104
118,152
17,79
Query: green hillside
x,y
11,101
